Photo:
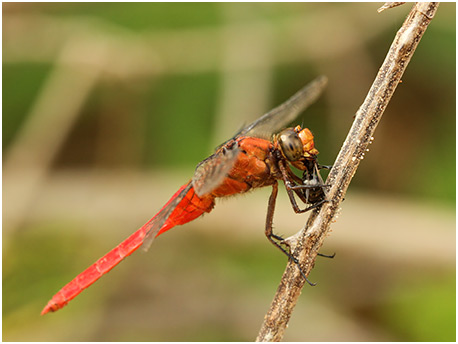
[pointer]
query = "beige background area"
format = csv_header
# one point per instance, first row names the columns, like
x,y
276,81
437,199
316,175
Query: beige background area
x,y
107,109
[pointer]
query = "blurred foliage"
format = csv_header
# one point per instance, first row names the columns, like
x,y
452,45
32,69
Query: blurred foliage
x,y
204,290
138,16
426,313
191,125
166,119
24,82
177,109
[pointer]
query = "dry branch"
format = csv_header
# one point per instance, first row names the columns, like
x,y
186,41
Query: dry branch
x,y
308,241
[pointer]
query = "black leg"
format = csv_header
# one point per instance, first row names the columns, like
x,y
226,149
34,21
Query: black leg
x,y
277,240
302,187
291,188
326,256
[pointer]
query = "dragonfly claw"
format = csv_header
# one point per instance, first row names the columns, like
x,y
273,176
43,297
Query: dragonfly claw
x,y
326,255
296,261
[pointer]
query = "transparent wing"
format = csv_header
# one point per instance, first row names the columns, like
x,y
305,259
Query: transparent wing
x,y
153,226
287,112
211,172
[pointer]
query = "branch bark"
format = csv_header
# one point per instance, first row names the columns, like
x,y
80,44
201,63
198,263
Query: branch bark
x,y
306,243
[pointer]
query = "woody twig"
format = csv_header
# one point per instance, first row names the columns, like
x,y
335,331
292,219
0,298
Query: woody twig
x,y
307,242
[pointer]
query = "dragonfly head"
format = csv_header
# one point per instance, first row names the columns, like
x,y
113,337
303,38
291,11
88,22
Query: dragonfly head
x,y
296,144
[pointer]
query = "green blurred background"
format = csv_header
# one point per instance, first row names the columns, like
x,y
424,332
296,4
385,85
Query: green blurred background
x,y
107,108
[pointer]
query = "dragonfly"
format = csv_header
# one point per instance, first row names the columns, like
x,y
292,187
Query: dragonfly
x,y
259,155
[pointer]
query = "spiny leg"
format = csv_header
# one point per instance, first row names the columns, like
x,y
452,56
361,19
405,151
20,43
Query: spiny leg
x,y
289,179
326,255
290,189
277,240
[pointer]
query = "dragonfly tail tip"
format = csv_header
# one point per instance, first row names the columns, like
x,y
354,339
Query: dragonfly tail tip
x,y
50,307
45,310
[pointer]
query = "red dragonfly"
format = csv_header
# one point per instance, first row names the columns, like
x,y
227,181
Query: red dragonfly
x,y
253,158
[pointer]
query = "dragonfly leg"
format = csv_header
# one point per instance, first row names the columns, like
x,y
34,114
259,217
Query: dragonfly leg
x,y
302,187
289,179
290,191
275,239
303,197
326,256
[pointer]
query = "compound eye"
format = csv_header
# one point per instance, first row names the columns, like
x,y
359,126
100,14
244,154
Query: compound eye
x,y
290,144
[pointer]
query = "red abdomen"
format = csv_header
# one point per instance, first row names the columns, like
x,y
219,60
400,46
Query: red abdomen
x,y
250,170
188,209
